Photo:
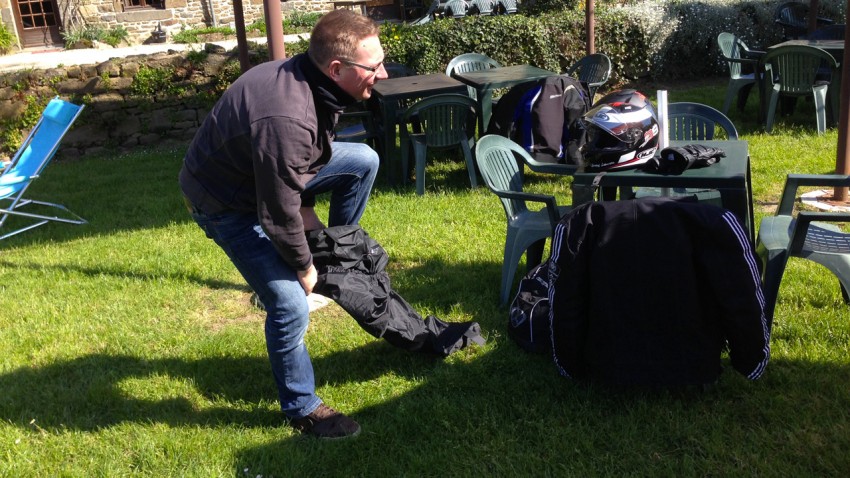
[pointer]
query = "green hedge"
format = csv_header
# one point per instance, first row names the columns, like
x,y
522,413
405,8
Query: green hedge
x,y
659,39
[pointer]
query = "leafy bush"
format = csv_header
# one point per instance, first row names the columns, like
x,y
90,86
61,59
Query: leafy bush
x,y
299,22
7,40
194,35
115,36
13,130
152,81
653,38
84,37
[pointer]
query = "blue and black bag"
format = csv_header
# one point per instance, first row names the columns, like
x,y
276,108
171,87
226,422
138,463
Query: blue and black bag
x,y
529,324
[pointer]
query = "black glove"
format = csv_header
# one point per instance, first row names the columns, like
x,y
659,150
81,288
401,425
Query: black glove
x,y
675,160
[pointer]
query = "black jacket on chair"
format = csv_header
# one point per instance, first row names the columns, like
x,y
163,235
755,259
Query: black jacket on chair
x,y
651,291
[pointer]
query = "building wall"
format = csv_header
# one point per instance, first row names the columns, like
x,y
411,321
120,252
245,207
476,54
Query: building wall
x,y
177,14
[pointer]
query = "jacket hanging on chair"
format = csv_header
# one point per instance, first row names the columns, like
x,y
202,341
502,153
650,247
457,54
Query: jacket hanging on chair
x,y
651,291
351,268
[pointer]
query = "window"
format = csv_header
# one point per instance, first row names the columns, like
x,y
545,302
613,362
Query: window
x,y
134,4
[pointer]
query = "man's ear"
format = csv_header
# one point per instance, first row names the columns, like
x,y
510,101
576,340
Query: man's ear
x,y
335,70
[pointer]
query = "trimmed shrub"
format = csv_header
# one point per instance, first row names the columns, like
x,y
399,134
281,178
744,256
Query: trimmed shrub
x,y
645,39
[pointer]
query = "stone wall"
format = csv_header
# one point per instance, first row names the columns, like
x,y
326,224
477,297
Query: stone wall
x,y
120,115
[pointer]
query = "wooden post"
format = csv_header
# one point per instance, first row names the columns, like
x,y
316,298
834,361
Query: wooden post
x,y
274,29
589,24
241,36
842,160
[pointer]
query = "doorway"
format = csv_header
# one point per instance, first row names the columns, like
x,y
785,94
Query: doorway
x,y
38,23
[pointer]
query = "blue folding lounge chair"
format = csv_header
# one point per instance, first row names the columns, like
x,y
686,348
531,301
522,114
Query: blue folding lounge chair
x,y
28,163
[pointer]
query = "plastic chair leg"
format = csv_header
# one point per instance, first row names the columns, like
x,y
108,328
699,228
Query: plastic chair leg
x,y
510,262
771,109
470,165
773,268
420,151
820,107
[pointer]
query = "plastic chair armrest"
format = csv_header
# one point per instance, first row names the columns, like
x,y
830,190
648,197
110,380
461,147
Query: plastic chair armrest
x,y
795,181
549,201
743,61
752,54
801,226
552,168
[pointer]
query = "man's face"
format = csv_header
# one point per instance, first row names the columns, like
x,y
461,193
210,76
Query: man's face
x,y
357,75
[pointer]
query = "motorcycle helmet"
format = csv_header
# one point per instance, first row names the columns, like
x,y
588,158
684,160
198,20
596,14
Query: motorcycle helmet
x,y
622,132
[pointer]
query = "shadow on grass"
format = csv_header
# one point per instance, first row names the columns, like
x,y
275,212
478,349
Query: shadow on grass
x,y
123,272
90,392
509,413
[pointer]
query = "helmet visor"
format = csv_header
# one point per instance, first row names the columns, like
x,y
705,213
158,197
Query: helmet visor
x,y
623,121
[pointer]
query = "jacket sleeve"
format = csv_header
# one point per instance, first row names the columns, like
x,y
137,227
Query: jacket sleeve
x,y
734,276
282,150
569,294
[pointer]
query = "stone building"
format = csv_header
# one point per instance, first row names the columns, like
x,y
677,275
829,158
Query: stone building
x,y
40,23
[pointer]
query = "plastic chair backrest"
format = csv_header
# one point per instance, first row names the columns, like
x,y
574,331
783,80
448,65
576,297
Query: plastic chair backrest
x,y
482,7
43,141
456,8
497,162
467,62
445,119
730,48
697,122
796,67
593,69
792,13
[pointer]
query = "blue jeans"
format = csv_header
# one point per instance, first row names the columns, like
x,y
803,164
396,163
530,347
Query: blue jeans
x,y
348,177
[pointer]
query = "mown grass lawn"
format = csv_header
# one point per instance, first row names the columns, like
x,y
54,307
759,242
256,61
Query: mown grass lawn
x,y
130,348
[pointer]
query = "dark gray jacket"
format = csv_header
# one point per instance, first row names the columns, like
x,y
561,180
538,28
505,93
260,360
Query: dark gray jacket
x,y
268,135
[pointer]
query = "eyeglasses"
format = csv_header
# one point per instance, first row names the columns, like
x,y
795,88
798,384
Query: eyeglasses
x,y
371,69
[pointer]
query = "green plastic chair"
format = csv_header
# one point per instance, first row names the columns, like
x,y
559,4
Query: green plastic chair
x,y
467,62
693,122
697,122
808,235
441,122
455,8
737,57
793,18
500,161
594,69
482,7
799,70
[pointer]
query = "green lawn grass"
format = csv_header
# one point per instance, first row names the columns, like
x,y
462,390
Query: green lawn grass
x,y
130,348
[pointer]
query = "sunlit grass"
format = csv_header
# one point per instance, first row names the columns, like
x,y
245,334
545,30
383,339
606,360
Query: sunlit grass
x,y
130,347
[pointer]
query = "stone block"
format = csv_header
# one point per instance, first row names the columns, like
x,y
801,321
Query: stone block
x,y
73,71
11,109
109,68
88,71
149,139
129,69
107,102
77,87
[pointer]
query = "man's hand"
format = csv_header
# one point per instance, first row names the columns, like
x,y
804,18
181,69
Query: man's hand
x,y
308,279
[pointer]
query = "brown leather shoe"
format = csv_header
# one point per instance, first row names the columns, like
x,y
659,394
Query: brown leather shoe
x,y
326,423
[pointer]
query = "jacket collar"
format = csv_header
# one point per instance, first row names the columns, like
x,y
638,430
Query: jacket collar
x,y
325,90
